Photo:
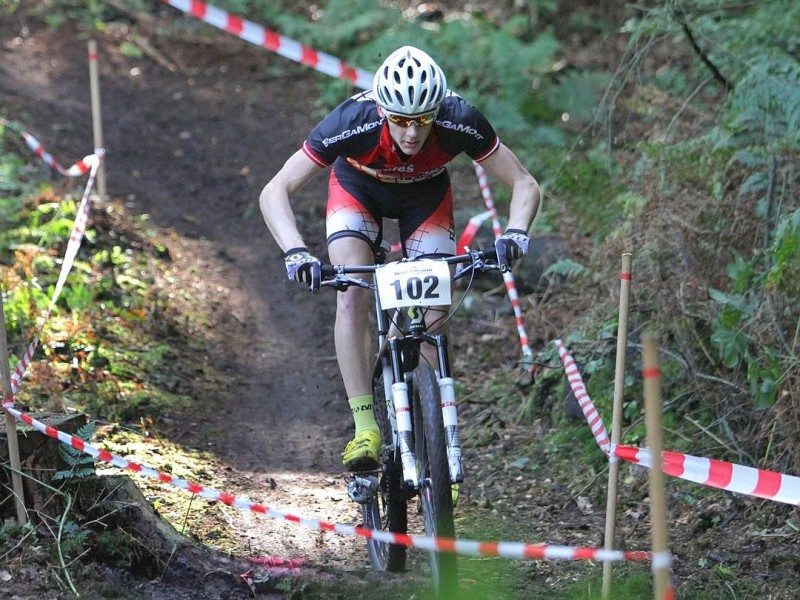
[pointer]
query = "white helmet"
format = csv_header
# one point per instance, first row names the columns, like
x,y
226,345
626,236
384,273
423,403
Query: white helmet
x,y
409,82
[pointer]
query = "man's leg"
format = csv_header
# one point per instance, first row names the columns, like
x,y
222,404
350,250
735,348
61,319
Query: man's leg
x,y
434,320
354,353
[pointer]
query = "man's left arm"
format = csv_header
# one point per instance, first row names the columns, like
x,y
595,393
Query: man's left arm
x,y
504,166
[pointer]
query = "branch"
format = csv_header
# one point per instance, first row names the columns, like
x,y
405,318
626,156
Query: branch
x,y
703,56
684,105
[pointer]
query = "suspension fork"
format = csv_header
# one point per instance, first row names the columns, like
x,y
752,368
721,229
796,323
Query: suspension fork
x,y
415,329
402,409
398,406
447,395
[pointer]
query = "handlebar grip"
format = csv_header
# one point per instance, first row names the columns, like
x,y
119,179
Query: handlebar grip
x,y
328,270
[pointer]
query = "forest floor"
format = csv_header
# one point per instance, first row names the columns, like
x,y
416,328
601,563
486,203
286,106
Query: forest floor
x,y
191,139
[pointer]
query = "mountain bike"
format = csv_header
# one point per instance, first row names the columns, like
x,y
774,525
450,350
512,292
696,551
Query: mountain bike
x,y
414,402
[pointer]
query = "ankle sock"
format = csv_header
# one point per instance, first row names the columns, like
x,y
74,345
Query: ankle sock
x,y
364,418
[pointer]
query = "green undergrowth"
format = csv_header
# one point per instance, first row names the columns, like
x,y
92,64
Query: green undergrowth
x,y
111,347
117,347
636,584
561,580
578,580
701,187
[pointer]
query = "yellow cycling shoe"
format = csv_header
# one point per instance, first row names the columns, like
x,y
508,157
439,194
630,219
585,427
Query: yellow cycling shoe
x,y
454,490
361,454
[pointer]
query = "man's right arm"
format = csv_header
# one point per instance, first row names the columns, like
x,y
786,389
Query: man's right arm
x,y
274,199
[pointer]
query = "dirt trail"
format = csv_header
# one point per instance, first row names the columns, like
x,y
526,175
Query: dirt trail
x,y
193,149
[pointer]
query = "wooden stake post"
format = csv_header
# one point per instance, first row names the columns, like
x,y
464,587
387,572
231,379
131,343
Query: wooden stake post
x,y
616,424
655,441
97,120
11,424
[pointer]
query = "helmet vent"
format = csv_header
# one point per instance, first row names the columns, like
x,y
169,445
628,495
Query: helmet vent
x,y
409,82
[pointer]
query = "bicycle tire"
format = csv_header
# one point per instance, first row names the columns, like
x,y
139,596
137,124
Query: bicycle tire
x,y
434,473
388,509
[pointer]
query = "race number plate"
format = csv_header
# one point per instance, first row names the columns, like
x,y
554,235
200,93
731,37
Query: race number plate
x,y
414,283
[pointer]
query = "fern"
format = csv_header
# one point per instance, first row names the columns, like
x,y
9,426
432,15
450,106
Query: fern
x,y
567,268
765,108
80,464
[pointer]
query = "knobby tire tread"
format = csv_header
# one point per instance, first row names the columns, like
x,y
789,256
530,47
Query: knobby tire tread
x,y
431,443
392,501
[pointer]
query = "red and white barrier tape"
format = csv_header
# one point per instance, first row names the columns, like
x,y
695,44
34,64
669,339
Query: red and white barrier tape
x,y
706,471
515,550
582,396
275,565
76,170
471,229
720,474
508,276
286,47
75,239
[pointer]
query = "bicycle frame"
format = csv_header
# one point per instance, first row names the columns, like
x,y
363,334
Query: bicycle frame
x,y
399,352
423,456
392,343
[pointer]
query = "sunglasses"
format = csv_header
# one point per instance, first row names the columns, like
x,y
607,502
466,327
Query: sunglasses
x,y
419,121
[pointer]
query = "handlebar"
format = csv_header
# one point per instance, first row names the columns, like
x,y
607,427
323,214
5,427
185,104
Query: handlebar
x,y
337,276
479,260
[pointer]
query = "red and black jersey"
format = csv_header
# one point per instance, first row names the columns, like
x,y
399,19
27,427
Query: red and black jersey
x,y
354,134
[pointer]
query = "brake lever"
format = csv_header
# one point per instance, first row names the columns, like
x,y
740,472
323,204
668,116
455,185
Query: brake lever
x,y
478,265
341,282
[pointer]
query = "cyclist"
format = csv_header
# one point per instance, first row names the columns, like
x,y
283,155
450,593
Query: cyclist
x,y
389,147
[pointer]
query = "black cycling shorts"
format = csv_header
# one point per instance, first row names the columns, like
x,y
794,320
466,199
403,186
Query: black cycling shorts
x,y
358,203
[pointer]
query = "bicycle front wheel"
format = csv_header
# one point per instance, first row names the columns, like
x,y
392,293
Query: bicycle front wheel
x,y
387,508
434,475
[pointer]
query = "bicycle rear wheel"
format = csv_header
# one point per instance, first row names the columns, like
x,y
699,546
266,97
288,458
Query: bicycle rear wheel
x,y
387,509
434,475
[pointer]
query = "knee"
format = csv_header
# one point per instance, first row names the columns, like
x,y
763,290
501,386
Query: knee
x,y
436,320
354,304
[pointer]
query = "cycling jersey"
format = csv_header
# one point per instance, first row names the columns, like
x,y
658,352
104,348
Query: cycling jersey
x,y
357,141
354,133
